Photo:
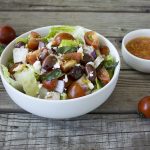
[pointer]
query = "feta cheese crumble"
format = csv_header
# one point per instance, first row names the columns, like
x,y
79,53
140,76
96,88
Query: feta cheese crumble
x,y
52,96
19,54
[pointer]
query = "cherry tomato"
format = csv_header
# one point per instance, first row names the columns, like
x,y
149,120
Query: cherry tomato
x,y
144,107
33,44
74,56
35,35
7,34
50,85
104,50
75,90
92,39
60,37
103,75
33,56
67,65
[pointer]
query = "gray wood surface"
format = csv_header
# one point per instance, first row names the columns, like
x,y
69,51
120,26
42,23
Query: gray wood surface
x,y
108,24
115,125
77,5
89,132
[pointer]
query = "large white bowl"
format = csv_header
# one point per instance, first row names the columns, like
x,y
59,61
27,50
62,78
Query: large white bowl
x,y
135,62
65,108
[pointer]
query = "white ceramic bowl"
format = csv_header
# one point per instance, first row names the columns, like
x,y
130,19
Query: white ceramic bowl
x,y
137,63
65,108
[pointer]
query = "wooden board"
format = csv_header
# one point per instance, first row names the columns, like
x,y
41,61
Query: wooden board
x,y
77,5
131,87
108,24
89,132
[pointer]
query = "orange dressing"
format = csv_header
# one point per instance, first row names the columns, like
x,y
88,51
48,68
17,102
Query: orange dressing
x,y
139,47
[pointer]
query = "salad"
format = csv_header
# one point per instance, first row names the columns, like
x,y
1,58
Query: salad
x,y
68,62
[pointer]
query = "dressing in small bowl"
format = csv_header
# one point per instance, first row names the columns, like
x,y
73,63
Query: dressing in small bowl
x,y
136,49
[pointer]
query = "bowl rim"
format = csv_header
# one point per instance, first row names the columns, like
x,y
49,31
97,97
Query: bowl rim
x,y
116,72
142,60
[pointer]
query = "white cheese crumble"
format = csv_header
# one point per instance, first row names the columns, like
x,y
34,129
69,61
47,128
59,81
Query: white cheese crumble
x,y
52,96
88,49
19,54
80,50
98,61
37,66
66,78
60,86
49,45
57,65
77,65
91,74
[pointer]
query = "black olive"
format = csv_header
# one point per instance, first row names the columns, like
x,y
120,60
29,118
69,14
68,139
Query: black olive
x,y
86,58
76,73
91,72
49,62
43,54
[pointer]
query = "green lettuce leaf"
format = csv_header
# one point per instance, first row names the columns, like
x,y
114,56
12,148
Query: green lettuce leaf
x,y
24,40
57,29
110,65
11,81
28,81
66,49
71,43
98,85
55,74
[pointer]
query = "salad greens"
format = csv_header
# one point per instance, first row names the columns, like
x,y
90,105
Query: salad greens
x,y
54,30
26,78
11,81
66,49
55,74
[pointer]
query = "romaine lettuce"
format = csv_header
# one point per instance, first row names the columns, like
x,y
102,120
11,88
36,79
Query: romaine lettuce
x,y
57,29
12,82
71,43
28,81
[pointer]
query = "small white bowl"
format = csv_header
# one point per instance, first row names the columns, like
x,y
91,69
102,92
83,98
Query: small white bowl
x,y
60,109
135,62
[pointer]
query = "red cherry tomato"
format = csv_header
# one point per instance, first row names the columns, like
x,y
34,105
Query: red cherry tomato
x,y
75,56
50,85
103,75
7,34
104,50
33,44
32,57
144,107
75,90
92,39
60,37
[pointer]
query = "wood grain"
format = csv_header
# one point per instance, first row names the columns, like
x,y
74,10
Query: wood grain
x,y
77,5
89,132
131,87
108,24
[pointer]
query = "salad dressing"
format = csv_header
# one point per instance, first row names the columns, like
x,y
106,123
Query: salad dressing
x,y
140,47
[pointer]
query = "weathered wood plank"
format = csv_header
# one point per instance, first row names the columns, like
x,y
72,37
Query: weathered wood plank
x,y
131,87
26,131
77,5
108,24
